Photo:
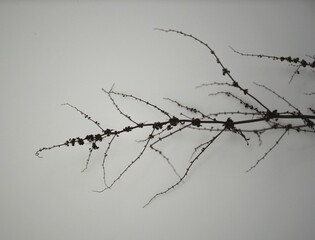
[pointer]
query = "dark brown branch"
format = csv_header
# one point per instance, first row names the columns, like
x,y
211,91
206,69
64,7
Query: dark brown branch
x,y
187,170
118,109
270,90
304,63
85,115
270,149
129,166
104,158
256,120
225,71
142,101
294,61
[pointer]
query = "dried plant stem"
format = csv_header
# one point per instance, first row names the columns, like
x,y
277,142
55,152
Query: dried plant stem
x,y
252,118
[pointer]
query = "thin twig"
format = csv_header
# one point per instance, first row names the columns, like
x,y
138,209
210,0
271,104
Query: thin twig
x,y
270,149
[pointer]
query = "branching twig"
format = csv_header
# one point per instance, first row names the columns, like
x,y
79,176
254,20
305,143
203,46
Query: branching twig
x,y
266,153
85,115
225,70
118,109
293,61
187,169
270,90
129,166
255,120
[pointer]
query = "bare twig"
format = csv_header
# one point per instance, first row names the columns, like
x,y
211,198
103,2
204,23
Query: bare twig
x,y
255,120
266,153
187,169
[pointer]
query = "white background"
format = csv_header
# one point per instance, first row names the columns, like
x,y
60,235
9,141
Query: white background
x,y
67,51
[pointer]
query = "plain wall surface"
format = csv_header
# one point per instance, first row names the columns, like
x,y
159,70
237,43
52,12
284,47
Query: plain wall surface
x,y
53,52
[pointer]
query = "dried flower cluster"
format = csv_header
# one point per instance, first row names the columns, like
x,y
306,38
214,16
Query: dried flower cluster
x,y
254,111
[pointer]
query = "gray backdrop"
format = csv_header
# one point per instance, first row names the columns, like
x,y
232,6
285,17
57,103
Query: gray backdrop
x,y
52,52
